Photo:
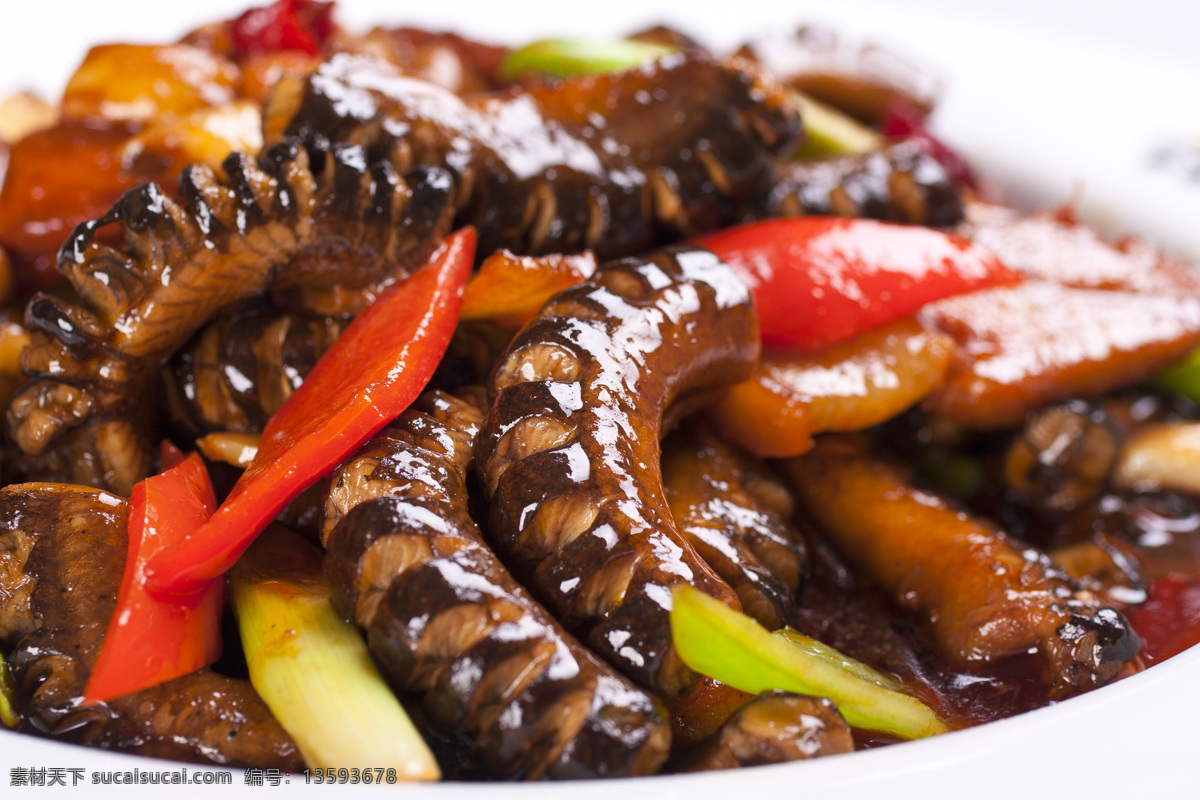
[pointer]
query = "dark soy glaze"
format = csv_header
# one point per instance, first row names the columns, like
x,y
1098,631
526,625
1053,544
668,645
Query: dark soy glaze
x,y
61,563
570,454
277,223
492,670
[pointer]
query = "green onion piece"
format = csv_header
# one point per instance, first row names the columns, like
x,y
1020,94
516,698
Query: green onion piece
x,y
818,649
562,58
830,132
312,668
8,691
1182,377
730,647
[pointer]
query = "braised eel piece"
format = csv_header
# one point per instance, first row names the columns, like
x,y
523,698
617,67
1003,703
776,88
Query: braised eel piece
x,y
736,514
62,554
241,367
986,595
614,163
1071,456
862,80
570,453
900,183
311,231
452,61
774,728
1063,457
448,623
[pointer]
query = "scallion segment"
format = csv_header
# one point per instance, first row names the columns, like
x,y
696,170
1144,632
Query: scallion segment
x,y
818,649
1182,377
730,647
832,133
562,58
8,691
312,668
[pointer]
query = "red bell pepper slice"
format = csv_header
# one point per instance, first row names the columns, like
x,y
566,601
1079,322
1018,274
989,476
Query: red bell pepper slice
x,y
169,455
149,640
302,25
818,281
374,371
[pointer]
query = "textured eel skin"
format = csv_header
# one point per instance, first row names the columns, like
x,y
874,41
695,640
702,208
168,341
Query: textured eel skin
x,y
614,163
736,514
861,79
900,183
62,554
340,225
493,669
570,453
242,367
986,595
774,728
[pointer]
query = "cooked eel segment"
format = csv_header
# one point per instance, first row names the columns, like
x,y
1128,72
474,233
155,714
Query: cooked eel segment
x,y
452,61
986,595
900,183
736,514
448,623
242,366
613,162
74,543
275,223
1020,348
1063,457
861,80
425,453
570,454
774,728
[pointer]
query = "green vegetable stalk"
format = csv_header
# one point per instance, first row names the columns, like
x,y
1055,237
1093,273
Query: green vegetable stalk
x,y
829,132
562,58
723,644
8,717
312,668
1182,377
818,649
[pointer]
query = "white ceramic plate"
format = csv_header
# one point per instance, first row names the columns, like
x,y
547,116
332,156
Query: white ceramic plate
x,y
1093,101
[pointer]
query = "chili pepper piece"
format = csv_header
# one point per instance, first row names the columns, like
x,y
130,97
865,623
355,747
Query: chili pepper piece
x,y
169,455
849,386
510,289
150,640
302,25
374,370
818,281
